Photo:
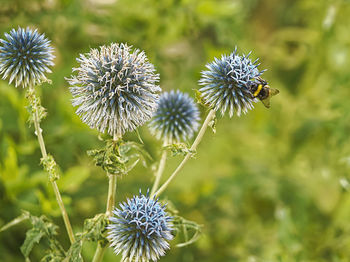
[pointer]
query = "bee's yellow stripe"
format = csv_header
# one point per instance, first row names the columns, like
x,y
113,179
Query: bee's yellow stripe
x,y
256,93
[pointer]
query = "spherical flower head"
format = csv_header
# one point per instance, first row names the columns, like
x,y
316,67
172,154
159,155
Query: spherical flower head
x,y
140,229
25,57
226,81
115,88
176,117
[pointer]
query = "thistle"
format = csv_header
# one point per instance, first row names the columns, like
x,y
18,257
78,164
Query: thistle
x,y
115,88
226,83
140,229
176,117
25,57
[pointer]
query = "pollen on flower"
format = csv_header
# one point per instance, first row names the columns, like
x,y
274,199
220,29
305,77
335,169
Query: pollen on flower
x,y
115,88
140,229
25,57
225,83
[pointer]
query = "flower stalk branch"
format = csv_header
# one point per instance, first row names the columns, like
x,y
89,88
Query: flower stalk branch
x,y
112,189
160,170
209,118
47,159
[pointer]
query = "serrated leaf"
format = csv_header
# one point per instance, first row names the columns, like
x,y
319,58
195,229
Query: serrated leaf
x,y
94,227
93,230
42,227
33,236
73,254
119,157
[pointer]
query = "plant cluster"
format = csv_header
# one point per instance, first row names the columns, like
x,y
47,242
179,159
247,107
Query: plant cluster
x,y
115,89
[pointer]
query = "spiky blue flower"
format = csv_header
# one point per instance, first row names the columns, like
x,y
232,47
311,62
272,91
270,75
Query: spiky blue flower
x,y
226,83
25,57
176,117
115,88
140,229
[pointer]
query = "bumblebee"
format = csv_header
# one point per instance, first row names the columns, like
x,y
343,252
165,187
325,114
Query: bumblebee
x,y
261,90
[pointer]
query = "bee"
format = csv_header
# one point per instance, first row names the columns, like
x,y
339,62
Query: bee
x,y
261,90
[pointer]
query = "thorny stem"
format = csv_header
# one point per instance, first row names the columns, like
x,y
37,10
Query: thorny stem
x,y
198,139
159,170
38,132
112,188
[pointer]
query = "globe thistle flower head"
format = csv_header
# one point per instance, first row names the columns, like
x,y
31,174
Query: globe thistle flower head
x,y
176,117
115,88
25,57
140,229
226,83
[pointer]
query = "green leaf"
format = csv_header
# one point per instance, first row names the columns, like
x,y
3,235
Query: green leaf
x,y
189,231
34,106
42,227
199,98
50,167
119,157
17,220
52,258
94,229
139,136
32,236
180,149
73,254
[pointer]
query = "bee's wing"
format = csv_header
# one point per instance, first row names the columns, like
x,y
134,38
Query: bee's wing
x,y
266,102
273,91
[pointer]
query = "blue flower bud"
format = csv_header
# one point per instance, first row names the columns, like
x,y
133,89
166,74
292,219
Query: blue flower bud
x,y
140,229
25,57
176,117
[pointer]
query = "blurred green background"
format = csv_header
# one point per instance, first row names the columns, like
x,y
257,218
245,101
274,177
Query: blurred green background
x,y
272,185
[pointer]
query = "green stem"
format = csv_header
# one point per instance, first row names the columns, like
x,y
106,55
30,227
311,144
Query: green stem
x,y
38,132
199,137
112,188
100,251
159,171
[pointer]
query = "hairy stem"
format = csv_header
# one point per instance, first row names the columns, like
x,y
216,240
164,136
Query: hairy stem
x,y
159,171
38,132
198,139
112,189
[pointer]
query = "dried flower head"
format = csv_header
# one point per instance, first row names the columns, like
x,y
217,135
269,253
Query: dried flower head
x,y
226,83
176,117
25,57
140,229
115,88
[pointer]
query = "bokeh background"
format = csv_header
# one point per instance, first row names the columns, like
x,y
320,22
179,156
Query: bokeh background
x,y
272,185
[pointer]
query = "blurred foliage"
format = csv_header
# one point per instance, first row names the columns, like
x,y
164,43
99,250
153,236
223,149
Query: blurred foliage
x,y
269,186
